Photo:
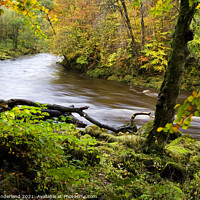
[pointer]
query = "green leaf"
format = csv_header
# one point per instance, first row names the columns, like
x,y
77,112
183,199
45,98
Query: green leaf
x,y
168,125
190,98
12,114
165,129
41,140
187,122
184,127
1,11
82,60
196,113
135,3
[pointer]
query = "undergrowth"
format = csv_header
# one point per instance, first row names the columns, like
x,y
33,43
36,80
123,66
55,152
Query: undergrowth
x,y
54,158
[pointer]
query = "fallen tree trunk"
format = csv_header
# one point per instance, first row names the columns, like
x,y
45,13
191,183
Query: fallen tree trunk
x,y
58,114
56,110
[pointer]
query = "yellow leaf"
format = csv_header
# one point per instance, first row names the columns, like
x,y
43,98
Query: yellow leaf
x,y
34,1
46,11
198,6
18,111
194,93
12,115
159,129
42,8
177,105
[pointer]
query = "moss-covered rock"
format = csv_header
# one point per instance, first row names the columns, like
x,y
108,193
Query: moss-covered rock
x,y
131,141
178,152
193,165
182,148
184,140
93,130
127,139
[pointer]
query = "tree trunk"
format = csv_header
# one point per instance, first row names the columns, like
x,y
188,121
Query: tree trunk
x,y
172,80
124,14
142,24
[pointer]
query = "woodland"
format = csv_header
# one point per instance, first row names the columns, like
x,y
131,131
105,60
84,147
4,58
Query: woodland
x,y
43,153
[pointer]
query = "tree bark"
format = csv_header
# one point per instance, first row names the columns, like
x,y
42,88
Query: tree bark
x,y
171,85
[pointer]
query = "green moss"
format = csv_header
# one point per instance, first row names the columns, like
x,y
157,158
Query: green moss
x,y
145,129
178,152
193,164
93,130
105,149
184,140
195,159
182,148
131,141
128,140
191,187
164,190
197,145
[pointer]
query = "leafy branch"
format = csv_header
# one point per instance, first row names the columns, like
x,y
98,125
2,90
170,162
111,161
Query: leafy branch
x,y
185,114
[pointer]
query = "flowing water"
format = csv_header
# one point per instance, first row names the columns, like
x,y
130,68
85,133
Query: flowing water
x,y
39,78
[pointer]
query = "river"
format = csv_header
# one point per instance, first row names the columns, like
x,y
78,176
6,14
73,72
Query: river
x,y
39,78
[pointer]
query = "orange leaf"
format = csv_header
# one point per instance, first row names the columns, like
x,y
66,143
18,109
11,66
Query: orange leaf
x,y
175,129
189,108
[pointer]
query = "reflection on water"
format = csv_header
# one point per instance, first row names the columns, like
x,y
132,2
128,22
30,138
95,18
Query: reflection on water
x,y
39,78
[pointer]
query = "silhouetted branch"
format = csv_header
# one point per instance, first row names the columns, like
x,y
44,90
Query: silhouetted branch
x,y
56,110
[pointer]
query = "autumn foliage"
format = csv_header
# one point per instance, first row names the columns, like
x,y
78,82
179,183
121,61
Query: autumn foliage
x,y
94,35
29,9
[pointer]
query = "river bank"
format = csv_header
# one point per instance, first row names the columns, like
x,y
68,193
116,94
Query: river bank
x,y
143,78
14,53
